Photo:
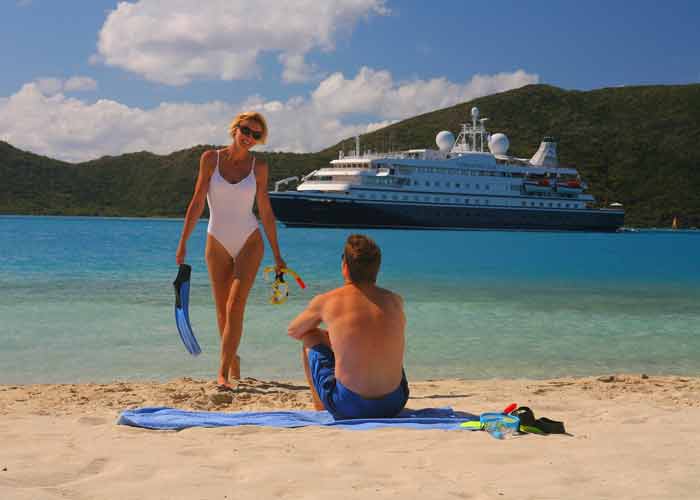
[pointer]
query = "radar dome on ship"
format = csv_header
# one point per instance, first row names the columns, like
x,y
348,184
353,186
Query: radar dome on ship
x,y
475,112
499,144
445,140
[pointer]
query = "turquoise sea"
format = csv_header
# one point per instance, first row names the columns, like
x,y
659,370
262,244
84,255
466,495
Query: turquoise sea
x,y
90,299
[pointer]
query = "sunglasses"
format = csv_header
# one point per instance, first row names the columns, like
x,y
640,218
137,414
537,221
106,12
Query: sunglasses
x,y
250,132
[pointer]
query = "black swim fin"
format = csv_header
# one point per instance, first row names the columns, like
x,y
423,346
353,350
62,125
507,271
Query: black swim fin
x,y
542,425
182,315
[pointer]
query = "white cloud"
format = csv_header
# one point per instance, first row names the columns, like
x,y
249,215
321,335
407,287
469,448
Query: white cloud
x,y
79,83
376,92
176,41
296,69
42,119
51,86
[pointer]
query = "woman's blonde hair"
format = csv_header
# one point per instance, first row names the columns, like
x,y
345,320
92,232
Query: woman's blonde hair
x,y
249,115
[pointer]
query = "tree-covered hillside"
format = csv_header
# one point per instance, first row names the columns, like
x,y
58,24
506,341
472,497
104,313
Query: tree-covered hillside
x,y
634,145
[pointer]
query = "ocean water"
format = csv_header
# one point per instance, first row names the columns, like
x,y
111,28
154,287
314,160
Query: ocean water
x,y
90,299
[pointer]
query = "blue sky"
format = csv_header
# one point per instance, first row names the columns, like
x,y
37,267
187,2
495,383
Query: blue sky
x,y
84,79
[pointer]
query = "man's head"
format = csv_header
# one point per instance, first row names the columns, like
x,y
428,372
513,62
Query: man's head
x,y
361,258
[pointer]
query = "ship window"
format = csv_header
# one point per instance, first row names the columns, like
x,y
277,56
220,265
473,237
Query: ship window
x,y
394,197
447,184
524,203
476,186
457,185
567,205
383,197
427,183
437,183
549,204
415,183
487,187
541,204
466,186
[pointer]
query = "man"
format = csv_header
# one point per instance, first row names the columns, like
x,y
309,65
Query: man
x,y
355,368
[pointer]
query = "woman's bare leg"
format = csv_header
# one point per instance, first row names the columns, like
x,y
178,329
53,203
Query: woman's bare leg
x,y
220,266
244,271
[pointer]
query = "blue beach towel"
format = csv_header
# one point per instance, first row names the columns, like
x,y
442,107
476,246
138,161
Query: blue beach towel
x,y
173,419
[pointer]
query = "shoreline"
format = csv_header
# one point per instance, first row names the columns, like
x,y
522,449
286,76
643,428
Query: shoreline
x,y
256,394
180,218
629,437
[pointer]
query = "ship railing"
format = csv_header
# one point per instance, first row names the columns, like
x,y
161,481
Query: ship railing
x,y
376,156
285,181
332,181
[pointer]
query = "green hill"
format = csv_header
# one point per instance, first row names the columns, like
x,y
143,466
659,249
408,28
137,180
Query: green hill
x,y
634,145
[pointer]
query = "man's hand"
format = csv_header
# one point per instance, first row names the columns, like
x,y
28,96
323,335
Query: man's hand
x,y
297,335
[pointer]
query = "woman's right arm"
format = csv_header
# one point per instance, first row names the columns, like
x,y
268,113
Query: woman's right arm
x,y
196,206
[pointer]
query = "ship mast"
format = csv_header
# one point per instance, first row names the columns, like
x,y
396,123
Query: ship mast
x,y
471,137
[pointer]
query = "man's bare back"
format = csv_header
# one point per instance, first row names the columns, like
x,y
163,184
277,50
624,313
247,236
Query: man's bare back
x,y
355,368
366,332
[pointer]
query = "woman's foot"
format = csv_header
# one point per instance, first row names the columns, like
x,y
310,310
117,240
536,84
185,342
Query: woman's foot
x,y
223,385
234,372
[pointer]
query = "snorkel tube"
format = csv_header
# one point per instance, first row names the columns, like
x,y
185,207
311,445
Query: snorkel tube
x,y
280,290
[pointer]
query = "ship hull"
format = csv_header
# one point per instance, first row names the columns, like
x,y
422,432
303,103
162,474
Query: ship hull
x,y
296,210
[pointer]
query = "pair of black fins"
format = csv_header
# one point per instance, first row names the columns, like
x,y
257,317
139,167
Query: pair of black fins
x,y
182,314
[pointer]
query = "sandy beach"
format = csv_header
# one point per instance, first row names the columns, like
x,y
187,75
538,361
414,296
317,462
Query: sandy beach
x,y
631,436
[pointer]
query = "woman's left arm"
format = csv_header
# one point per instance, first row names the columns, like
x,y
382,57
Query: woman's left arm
x,y
267,216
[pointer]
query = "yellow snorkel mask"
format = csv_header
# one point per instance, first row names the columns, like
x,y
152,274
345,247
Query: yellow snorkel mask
x,y
280,290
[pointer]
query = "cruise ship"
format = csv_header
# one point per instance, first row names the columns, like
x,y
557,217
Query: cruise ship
x,y
460,185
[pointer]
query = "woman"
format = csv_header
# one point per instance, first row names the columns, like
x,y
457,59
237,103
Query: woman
x,y
231,179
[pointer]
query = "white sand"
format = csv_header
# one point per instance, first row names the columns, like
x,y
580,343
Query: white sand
x,y
631,438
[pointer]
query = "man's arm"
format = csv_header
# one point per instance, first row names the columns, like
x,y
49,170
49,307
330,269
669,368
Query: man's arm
x,y
308,320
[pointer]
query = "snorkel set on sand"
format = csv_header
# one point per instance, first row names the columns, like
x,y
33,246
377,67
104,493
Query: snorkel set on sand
x,y
514,420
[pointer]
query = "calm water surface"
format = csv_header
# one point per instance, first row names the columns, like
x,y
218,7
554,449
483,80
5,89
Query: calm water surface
x,y
91,299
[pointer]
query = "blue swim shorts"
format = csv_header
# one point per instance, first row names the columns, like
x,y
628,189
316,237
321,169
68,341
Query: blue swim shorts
x,y
343,403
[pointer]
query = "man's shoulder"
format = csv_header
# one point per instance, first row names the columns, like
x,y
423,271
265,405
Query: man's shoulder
x,y
332,294
390,294
324,297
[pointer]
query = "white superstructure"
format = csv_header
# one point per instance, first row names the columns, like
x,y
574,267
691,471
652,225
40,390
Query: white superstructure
x,y
461,171
468,182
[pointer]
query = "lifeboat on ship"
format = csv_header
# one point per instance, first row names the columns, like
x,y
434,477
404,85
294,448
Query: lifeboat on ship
x,y
537,185
570,187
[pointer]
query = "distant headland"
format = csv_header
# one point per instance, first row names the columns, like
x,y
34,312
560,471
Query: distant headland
x,y
634,145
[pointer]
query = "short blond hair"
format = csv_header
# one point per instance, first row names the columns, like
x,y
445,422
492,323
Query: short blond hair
x,y
249,115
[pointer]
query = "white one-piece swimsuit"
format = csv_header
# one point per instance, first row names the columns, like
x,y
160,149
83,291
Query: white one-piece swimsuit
x,y
231,219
